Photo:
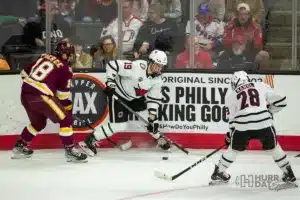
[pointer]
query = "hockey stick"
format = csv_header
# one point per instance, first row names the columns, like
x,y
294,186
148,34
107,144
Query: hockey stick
x,y
122,147
146,122
164,176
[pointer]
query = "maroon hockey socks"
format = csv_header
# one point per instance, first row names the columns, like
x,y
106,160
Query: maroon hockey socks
x,y
28,134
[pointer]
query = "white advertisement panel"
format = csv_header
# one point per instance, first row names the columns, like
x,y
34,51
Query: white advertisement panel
x,y
192,102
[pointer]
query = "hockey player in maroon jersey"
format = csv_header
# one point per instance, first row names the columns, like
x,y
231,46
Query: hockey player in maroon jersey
x,y
44,95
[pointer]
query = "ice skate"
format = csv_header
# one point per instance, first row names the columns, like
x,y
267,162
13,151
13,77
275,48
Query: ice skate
x,y
73,155
20,151
289,176
89,145
219,177
288,179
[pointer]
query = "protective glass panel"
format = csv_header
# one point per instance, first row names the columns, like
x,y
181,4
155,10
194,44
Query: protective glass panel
x,y
278,33
16,18
158,25
92,23
205,34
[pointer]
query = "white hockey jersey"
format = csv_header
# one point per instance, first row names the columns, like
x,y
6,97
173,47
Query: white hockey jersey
x,y
132,82
247,106
130,30
210,31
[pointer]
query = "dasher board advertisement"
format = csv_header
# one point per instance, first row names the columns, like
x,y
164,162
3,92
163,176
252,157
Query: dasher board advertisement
x,y
193,108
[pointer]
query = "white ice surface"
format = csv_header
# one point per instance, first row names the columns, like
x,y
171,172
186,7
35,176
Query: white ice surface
x,y
115,175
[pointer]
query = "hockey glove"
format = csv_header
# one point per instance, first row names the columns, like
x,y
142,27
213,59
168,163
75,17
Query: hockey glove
x,y
274,109
159,138
110,88
153,125
69,106
228,139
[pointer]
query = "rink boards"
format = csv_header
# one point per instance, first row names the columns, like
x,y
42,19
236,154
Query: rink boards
x,y
193,110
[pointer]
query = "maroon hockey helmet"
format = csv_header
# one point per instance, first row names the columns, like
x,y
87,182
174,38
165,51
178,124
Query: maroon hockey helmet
x,y
65,50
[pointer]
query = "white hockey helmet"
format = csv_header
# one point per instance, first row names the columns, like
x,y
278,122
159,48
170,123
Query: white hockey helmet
x,y
239,78
158,57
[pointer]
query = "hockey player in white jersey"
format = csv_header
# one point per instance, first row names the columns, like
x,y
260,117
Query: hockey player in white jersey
x,y
250,110
138,83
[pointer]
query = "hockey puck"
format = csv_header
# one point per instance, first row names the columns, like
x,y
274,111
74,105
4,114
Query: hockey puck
x,y
165,158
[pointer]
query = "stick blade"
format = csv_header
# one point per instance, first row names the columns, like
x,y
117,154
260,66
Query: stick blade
x,y
162,175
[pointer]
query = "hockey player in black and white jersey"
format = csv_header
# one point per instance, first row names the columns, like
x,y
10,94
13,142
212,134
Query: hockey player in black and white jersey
x,y
138,84
250,110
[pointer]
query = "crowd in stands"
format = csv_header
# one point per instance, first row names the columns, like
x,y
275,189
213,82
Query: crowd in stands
x,y
228,33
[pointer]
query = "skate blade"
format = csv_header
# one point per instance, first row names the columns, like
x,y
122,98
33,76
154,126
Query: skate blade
x,y
20,156
85,149
212,183
77,161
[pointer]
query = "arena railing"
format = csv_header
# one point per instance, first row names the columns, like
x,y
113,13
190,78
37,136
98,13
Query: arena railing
x,y
198,71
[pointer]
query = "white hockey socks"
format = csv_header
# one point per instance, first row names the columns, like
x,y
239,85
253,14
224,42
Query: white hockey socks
x,y
280,158
227,159
108,129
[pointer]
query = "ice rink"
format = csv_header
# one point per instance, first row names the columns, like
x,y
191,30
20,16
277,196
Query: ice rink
x,y
115,175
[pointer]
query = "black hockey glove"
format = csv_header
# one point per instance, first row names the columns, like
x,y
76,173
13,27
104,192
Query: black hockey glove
x,y
162,141
228,139
153,126
110,88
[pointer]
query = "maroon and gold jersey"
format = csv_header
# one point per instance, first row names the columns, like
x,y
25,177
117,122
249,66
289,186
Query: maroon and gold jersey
x,y
48,75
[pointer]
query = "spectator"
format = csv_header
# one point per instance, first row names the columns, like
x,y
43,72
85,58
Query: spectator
x,y
83,60
237,58
256,7
157,33
202,58
217,7
209,29
140,9
107,50
174,10
97,10
35,31
130,27
3,64
67,9
243,26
